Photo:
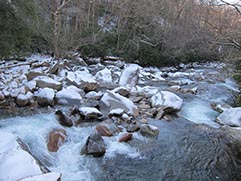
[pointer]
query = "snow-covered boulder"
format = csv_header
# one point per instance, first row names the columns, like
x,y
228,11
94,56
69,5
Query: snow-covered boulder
x,y
230,117
15,162
68,97
129,76
33,74
114,100
45,96
31,85
90,112
51,176
104,76
169,101
44,81
82,79
22,100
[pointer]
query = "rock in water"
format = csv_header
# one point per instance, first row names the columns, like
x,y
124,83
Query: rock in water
x,y
94,146
56,139
149,130
63,120
230,117
125,137
129,76
103,130
90,112
169,101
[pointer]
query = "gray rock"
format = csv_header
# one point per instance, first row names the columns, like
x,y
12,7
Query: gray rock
x,y
44,81
149,130
94,146
132,128
230,117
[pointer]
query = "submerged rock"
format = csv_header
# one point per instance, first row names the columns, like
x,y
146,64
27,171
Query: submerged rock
x,y
149,130
94,146
230,117
56,139
62,119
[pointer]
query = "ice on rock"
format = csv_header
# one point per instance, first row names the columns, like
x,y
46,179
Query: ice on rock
x,y
15,162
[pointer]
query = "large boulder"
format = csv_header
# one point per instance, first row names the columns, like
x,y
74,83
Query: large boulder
x,y
15,163
230,117
169,101
129,77
56,139
68,97
94,146
114,101
149,130
104,76
90,112
45,96
22,100
51,176
44,81
63,120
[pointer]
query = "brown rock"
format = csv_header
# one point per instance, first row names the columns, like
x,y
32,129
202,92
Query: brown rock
x,y
103,130
2,97
125,137
56,139
63,120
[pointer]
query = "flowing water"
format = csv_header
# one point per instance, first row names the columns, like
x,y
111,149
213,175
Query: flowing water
x,y
190,147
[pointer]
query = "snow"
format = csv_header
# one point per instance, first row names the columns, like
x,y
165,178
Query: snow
x,y
31,85
167,99
89,110
117,111
44,81
47,93
68,96
93,94
15,162
52,176
104,76
148,90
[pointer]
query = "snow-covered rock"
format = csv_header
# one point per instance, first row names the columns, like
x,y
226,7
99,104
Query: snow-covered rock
x,y
33,74
90,112
116,112
129,76
45,96
94,95
114,100
44,81
22,100
68,97
15,162
169,101
230,117
104,76
51,176
31,85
